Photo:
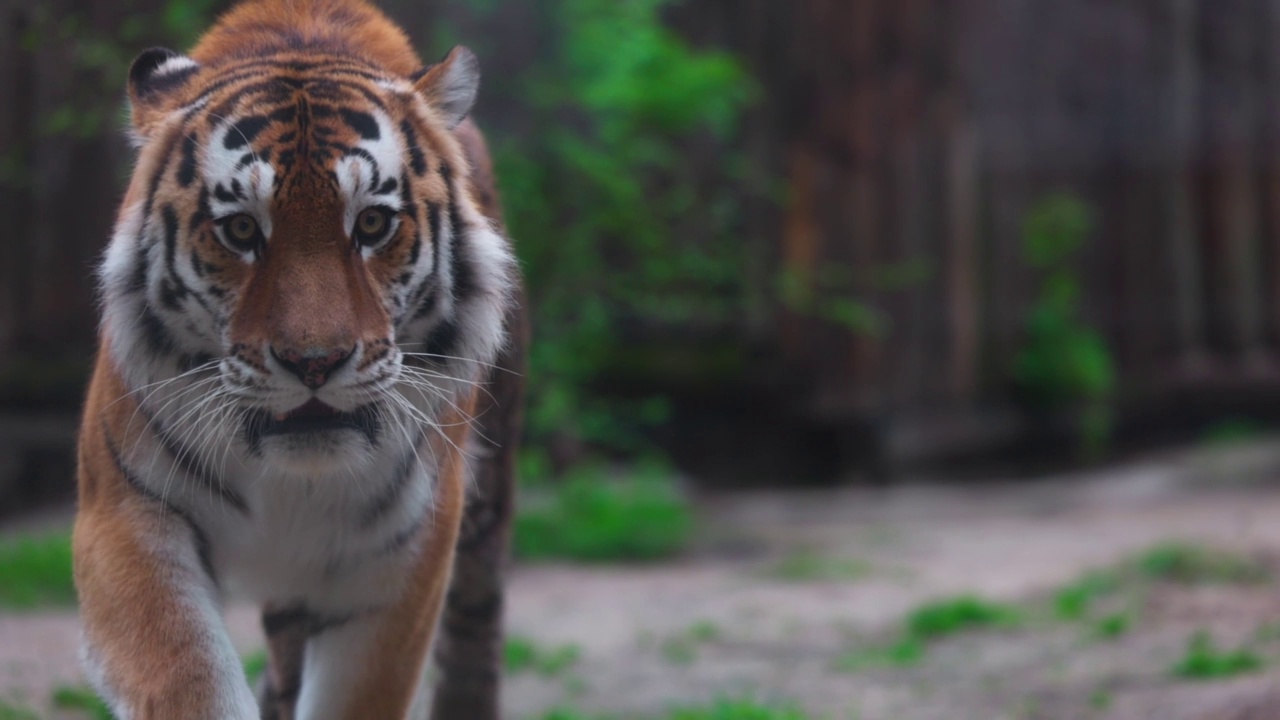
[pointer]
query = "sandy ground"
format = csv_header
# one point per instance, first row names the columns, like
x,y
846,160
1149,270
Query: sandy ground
x,y
726,623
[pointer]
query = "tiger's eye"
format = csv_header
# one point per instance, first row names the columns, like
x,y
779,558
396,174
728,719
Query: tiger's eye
x,y
372,222
242,228
372,226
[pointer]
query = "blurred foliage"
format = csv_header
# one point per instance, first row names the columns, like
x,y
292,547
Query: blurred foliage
x,y
521,654
1205,661
82,699
614,225
36,572
1065,364
723,709
595,515
1190,564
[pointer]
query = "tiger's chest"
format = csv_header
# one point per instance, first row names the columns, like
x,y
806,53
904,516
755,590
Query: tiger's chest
x,y
340,541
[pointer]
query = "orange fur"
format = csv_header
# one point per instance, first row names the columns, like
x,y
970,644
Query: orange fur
x,y
136,559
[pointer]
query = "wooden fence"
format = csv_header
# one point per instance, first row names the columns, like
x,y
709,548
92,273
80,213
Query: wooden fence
x,y
913,137
919,133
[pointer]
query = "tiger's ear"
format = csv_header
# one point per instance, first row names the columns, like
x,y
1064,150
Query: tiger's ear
x,y
154,78
450,86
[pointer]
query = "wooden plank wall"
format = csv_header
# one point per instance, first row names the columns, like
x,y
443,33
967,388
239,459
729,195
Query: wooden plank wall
x,y
927,129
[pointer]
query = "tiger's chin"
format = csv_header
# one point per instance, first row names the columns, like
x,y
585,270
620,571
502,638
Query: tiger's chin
x,y
315,441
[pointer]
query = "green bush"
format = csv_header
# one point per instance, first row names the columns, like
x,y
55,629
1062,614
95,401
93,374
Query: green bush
x,y
613,224
1204,661
36,571
591,516
947,617
1064,364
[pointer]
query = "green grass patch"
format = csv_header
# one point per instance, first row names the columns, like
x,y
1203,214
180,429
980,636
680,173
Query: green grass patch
x,y
83,699
1189,564
929,622
947,617
255,664
682,648
1110,627
738,710
808,565
1204,661
521,654
719,710
593,517
36,572
907,651
1074,601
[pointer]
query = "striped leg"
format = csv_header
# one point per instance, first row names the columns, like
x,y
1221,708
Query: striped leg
x,y
469,651
155,644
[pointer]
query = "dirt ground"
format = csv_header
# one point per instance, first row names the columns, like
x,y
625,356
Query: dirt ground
x,y
784,584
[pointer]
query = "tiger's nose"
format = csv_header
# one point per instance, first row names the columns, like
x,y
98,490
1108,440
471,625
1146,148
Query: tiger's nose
x,y
312,367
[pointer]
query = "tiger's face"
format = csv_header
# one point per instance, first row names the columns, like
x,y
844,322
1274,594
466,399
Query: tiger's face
x,y
299,244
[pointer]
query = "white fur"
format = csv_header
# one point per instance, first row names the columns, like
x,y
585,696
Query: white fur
x,y
301,539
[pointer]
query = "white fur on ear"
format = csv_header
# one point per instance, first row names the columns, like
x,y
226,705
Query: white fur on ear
x,y
451,85
158,71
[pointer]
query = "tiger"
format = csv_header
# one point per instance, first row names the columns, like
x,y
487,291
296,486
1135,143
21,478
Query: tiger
x,y
308,383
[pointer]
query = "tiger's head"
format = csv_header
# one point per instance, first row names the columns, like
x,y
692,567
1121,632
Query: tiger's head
x,y
299,267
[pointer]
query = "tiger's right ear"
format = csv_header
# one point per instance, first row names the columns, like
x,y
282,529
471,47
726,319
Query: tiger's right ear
x,y
155,78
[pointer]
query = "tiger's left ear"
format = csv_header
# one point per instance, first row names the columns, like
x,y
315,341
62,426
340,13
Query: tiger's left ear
x,y
450,86
155,77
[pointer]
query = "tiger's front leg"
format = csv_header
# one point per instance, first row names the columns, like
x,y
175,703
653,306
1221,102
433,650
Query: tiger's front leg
x,y
370,663
154,641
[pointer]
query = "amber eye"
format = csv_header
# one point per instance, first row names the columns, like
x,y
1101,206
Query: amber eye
x,y
242,232
372,225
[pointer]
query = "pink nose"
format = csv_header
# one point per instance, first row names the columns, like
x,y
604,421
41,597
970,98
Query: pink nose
x,y
313,367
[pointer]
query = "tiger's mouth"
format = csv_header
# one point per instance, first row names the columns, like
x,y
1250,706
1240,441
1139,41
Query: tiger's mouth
x,y
312,416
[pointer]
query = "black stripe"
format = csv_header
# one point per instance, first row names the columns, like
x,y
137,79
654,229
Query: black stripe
x,y
138,278
185,457
243,132
300,617
362,123
201,539
383,504
401,539
187,168
464,275
154,333
417,161
443,338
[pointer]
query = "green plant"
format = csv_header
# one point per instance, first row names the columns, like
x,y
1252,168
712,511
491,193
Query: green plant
x,y
1074,601
521,654
82,699
929,622
742,709
1203,661
36,571
1194,565
904,652
947,617
806,565
615,228
682,648
592,516
1112,626
254,665
1064,364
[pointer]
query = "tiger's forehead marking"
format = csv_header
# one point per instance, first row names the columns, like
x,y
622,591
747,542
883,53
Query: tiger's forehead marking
x,y
321,129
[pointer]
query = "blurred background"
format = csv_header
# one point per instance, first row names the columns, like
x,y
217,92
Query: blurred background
x,y
892,358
